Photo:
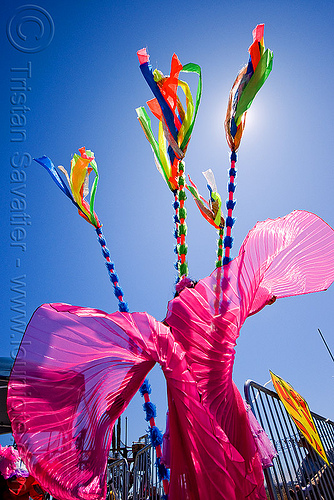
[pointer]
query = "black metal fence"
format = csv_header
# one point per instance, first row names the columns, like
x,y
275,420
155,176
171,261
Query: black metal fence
x,y
298,472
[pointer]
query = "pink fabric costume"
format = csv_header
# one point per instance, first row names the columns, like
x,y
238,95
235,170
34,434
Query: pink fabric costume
x,y
83,366
11,463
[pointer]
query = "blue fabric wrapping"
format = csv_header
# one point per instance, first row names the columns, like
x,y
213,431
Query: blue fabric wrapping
x,y
231,187
233,128
233,156
232,172
250,69
226,260
171,154
49,166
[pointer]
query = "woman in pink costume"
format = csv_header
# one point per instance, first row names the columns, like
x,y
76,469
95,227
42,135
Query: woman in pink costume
x,y
84,366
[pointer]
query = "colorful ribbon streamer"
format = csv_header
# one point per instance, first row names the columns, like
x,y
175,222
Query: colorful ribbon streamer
x,y
211,210
81,167
247,84
78,181
175,123
175,127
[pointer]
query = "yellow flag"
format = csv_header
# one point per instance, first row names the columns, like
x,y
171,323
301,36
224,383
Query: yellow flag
x,y
299,411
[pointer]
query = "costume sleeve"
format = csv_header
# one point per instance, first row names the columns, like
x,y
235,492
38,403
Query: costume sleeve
x,y
287,256
75,373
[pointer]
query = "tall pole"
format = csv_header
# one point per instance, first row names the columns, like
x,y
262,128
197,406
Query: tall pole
x,y
324,341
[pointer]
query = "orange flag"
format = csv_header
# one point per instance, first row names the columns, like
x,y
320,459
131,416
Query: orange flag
x,y
299,411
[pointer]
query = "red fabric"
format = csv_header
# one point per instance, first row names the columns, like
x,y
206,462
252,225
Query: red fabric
x,y
84,366
254,49
21,488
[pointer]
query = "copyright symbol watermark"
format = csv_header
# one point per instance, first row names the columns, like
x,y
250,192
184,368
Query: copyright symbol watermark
x,y
30,29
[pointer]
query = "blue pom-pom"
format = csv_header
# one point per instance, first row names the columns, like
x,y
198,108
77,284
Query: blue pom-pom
x,y
150,410
105,252
231,187
155,436
226,260
163,472
98,230
228,241
176,265
102,241
175,249
118,291
232,172
110,266
176,205
123,307
145,387
229,221
113,277
230,204
176,219
233,156
225,281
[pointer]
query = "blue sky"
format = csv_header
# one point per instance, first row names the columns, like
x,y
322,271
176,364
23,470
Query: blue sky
x,y
84,88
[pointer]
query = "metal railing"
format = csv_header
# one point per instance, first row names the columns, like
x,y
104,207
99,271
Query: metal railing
x,y
139,483
118,480
298,472
146,483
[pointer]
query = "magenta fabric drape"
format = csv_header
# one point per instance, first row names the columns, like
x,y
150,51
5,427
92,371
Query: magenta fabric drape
x,y
78,369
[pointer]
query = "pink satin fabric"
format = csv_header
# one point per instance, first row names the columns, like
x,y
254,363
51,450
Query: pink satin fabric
x,y
83,366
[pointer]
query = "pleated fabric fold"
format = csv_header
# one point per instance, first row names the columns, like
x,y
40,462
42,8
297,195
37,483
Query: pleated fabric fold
x,y
81,372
